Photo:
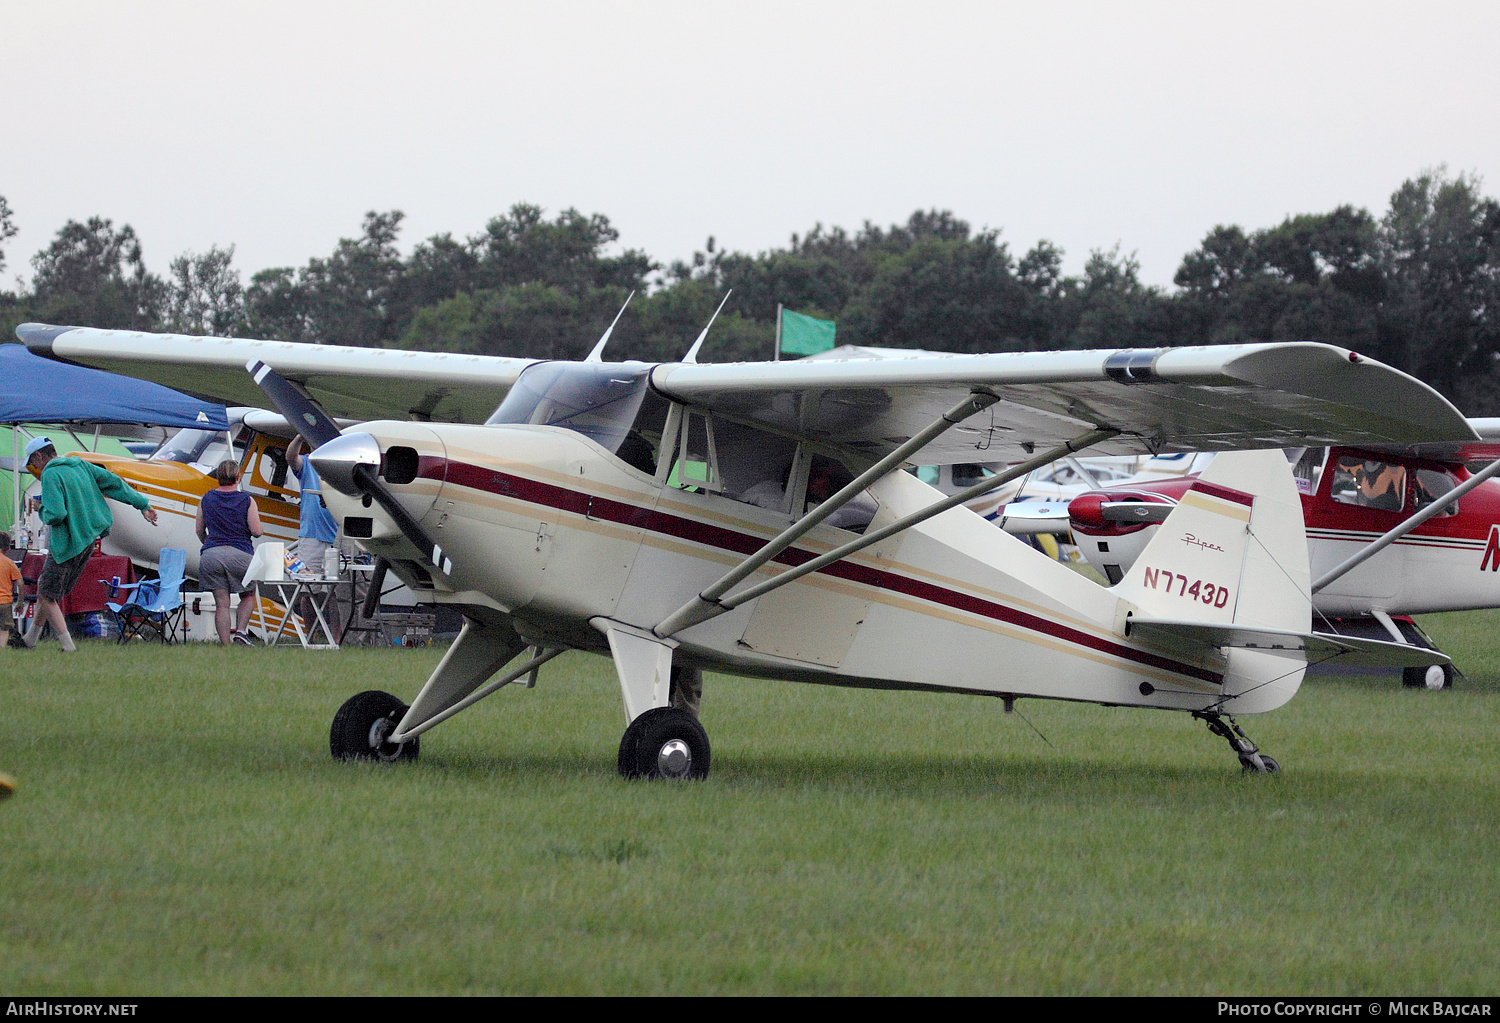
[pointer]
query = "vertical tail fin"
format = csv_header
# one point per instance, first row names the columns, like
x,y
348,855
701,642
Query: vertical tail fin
x,y
1233,551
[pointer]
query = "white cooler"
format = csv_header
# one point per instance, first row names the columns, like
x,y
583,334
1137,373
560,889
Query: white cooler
x,y
200,615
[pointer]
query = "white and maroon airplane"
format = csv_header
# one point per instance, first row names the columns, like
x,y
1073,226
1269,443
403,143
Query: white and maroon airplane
x,y
685,517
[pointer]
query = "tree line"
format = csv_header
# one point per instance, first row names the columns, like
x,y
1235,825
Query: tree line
x,y
1417,287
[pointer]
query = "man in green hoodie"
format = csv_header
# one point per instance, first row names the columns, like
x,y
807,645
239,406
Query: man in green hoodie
x,y
73,493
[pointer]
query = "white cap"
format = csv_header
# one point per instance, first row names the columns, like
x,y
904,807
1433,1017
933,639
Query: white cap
x,y
36,444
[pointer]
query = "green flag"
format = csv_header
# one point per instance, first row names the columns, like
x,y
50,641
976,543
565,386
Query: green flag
x,y
803,335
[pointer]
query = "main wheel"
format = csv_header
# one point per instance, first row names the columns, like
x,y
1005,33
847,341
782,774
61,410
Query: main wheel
x,y
664,743
1436,676
360,728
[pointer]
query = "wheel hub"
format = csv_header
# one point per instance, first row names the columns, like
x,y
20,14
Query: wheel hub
x,y
1434,678
379,744
674,759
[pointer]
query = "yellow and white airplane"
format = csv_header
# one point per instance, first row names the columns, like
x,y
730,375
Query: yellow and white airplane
x,y
682,517
175,478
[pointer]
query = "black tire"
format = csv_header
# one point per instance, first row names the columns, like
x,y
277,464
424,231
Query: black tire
x,y
1416,678
665,744
355,735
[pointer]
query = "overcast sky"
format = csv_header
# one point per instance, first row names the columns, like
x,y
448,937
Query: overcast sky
x,y
274,126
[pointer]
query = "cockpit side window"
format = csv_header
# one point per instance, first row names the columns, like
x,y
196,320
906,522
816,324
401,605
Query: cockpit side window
x,y
972,474
265,469
1369,483
643,443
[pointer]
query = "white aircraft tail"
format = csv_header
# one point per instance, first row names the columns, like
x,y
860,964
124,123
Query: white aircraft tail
x,y
1233,552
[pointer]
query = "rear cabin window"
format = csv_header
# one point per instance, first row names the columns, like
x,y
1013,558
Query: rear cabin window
x,y
1432,484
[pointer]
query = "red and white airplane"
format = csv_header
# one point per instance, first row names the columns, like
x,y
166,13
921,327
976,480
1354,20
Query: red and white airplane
x,y
685,517
1391,532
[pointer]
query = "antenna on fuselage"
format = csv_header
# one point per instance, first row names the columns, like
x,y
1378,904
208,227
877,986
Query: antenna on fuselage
x,y
692,355
597,355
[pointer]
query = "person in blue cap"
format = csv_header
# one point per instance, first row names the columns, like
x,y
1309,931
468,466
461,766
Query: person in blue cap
x,y
72,503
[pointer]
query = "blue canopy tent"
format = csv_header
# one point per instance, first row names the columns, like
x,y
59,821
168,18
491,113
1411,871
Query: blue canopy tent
x,y
38,390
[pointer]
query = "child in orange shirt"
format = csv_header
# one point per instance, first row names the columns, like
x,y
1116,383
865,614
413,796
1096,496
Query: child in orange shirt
x,y
10,583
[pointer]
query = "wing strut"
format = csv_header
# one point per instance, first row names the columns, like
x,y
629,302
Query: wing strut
x,y
1380,544
709,604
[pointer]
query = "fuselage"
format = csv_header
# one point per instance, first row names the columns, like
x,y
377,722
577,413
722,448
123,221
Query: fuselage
x,y
547,527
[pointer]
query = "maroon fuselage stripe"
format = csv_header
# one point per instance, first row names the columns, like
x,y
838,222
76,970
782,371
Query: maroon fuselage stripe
x,y
489,481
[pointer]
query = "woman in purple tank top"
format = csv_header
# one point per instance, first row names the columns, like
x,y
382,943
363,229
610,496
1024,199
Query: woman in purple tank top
x,y
227,523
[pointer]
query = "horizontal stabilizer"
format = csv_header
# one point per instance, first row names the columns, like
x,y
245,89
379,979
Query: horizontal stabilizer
x,y
1317,646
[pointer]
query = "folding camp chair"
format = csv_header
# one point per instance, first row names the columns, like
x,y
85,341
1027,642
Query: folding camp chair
x,y
156,603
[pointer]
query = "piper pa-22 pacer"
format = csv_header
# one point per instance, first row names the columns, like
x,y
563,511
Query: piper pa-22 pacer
x,y
752,518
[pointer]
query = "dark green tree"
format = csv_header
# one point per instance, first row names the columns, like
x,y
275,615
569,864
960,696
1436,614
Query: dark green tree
x,y
1113,309
1440,254
8,229
93,275
346,299
1313,277
204,295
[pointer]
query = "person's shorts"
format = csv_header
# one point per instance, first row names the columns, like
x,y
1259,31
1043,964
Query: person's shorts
x,y
311,550
58,580
223,568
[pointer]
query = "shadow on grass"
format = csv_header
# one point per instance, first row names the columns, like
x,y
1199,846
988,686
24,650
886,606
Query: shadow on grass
x,y
893,775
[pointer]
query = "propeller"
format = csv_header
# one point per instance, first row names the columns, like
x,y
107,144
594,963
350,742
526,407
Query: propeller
x,y
348,461
301,411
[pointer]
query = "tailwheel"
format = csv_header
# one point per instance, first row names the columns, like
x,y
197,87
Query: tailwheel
x,y
665,743
1434,676
1252,760
361,727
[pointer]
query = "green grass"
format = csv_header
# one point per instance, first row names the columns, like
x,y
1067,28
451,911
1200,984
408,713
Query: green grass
x,y
180,829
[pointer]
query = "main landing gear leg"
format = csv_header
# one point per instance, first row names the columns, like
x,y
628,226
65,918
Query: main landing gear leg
x,y
1226,728
662,741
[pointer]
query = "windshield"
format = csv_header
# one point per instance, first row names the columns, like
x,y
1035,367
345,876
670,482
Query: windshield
x,y
597,400
189,446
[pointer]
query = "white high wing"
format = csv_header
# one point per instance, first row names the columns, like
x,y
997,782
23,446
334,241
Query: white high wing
x,y
687,516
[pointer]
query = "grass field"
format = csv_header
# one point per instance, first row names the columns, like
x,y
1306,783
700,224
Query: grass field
x,y
179,828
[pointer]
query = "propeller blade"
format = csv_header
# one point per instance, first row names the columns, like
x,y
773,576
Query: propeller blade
x,y
371,606
300,410
1135,511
